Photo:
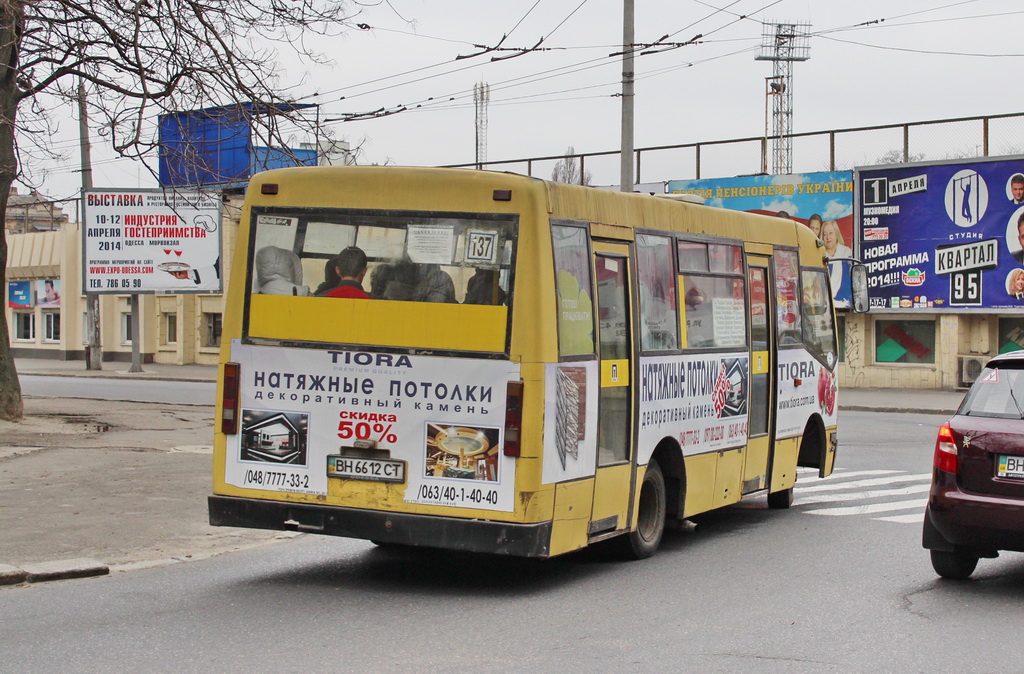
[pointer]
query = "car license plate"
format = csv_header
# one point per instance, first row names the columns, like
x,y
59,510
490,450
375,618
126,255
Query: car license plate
x,y
1010,466
378,470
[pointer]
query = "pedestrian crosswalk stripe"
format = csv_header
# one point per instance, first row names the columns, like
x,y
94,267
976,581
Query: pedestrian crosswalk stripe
x,y
871,482
863,495
915,518
842,472
846,494
869,508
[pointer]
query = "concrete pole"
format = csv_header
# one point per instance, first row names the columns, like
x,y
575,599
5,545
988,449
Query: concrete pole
x,y
94,348
626,177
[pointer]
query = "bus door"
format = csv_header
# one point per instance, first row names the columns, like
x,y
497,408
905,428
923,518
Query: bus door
x,y
762,364
614,474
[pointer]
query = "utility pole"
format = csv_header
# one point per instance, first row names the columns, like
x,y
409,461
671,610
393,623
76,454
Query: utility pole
x,y
626,177
93,349
782,44
481,99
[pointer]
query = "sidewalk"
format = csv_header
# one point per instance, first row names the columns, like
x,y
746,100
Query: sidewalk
x,y
119,370
88,486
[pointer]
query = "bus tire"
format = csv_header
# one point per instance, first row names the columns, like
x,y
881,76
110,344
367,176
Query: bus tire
x,y
643,541
780,500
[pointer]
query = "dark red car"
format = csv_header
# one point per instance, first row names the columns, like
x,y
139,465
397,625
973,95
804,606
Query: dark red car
x,y
976,503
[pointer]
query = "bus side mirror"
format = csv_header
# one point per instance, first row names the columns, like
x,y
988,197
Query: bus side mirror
x,y
859,287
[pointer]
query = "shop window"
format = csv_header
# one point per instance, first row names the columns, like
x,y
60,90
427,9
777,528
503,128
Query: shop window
x,y
169,333
908,341
211,329
658,320
24,326
51,326
573,285
1011,334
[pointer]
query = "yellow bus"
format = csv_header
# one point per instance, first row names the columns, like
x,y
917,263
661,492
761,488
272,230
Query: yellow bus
x,y
490,362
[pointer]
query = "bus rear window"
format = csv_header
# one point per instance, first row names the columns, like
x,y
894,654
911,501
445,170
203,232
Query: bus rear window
x,y
410,257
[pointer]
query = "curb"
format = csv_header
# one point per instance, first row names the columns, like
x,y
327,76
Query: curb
x,y
55,570
140,376
897,410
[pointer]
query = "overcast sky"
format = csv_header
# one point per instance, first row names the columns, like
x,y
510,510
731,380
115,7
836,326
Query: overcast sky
x,y
871,62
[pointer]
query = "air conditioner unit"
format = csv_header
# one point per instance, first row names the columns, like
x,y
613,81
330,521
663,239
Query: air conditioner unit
x,y
970,368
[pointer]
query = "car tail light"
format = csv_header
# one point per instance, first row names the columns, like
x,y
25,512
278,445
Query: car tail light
x,y
945,450
513,417
229,399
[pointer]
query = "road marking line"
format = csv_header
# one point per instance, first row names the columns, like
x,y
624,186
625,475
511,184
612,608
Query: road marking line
x,y
917,504
842,472
863,496
916,518
873,482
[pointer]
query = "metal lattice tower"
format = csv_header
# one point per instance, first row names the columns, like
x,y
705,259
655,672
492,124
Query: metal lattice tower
x,y
782,44
481,98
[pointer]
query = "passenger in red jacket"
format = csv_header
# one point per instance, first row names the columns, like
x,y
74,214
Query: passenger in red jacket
x,y
351,265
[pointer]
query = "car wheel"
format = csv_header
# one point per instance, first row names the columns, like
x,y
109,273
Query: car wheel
x,y
955,565
781,499
650,522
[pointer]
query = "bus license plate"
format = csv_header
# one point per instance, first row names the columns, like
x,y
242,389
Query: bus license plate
x,y
378,470
1010,466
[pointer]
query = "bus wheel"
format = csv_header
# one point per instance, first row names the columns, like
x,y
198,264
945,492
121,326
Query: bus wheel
x,y
650,522
780,500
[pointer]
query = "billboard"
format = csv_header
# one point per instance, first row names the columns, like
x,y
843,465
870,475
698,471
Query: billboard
x,y
827,194
944,235
150,241
19,294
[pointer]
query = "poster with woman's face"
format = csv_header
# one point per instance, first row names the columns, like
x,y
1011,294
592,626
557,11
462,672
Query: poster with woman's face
x,y
48,293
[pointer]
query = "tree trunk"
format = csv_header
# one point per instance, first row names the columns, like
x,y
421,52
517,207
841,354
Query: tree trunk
x,y
11,23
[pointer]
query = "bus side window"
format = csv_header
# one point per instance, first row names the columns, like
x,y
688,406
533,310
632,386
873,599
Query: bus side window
x,y
658,318
787,298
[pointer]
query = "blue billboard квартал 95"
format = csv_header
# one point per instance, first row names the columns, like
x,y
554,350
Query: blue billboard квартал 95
x,y
944,235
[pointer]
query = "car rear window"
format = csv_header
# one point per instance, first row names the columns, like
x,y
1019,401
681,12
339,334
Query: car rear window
x,y
993,393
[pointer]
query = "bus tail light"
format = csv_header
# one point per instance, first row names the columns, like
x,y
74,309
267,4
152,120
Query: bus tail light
x,y
945,450
229,399
513,417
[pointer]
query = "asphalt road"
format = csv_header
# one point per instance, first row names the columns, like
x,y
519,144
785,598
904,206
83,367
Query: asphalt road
x,y
837,583
99,388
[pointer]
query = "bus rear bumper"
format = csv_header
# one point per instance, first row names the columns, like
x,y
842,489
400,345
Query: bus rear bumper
x,y
450,533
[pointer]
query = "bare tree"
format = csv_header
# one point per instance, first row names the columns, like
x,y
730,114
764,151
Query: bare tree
x,y
140,58
567,169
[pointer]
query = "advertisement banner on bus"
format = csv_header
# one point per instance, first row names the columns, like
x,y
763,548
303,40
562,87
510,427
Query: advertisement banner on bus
x,y
151,241
943,235
698,400
805,387
823,201
435,424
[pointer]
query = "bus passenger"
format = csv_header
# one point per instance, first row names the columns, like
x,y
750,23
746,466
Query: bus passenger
x,y
435,285
379,279
278,272
483,288
401,282
351,266
331,277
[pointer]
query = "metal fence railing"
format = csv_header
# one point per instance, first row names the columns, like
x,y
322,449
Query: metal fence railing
x,y
835,150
